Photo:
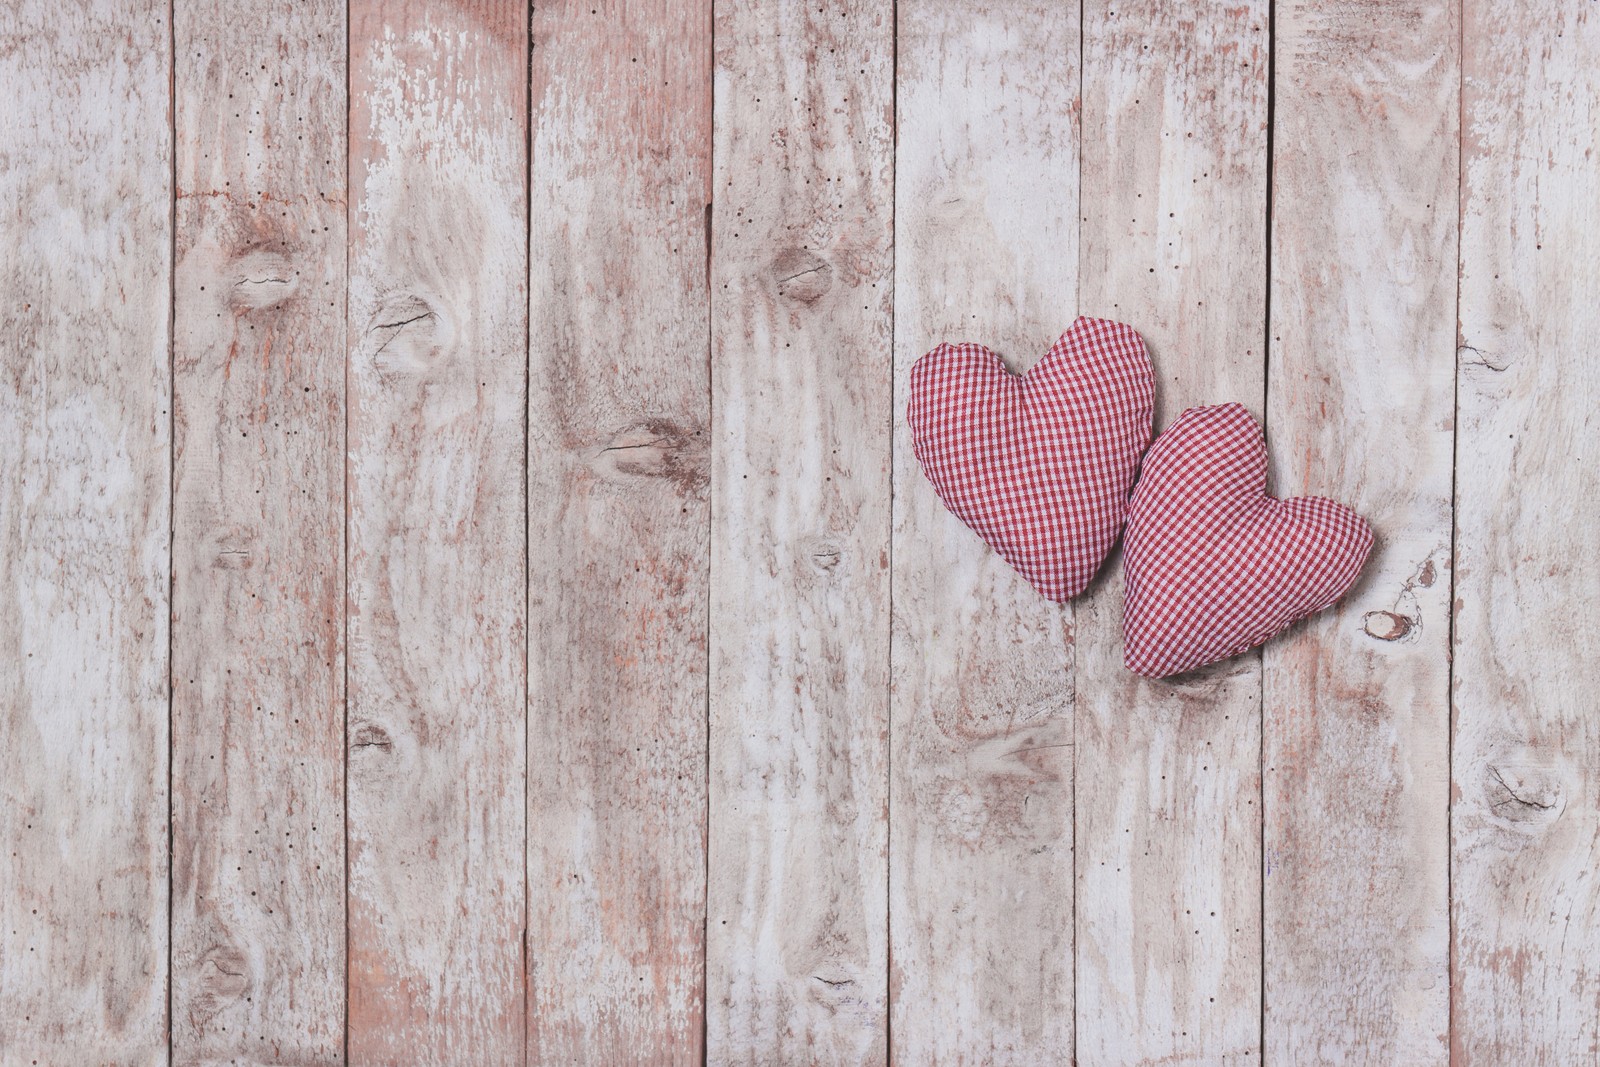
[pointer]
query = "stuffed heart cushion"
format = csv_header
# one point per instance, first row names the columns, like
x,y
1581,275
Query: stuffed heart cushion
x,y
1040,465
1214,565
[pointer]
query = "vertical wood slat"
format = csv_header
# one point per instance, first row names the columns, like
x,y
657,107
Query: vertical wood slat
x,y
258,531
1526,767
1168,771
986,231
85,258
618,472
437,526
801,372
1361,410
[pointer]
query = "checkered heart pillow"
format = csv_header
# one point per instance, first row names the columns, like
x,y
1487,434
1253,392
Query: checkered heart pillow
x,y
1039,466
1214,565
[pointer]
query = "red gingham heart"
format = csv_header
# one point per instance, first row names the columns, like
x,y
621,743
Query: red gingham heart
x,y
1039,466
1214,565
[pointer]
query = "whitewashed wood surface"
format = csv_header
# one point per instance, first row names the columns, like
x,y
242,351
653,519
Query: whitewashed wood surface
x,y
258,915
1356,733
85,502
801,298
1525,767
980,871
437,592
468,596
1168,947
618,503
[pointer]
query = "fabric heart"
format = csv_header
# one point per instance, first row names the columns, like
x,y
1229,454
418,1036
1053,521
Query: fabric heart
x,y
1214,565
1040,465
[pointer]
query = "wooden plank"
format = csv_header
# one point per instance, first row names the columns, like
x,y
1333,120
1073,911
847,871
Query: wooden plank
x,y
258,523
1168,772
986,227
1526,789
1360,386
437,531
85,260
797,939
619,514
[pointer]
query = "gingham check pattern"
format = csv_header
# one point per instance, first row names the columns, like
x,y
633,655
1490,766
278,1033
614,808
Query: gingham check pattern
x,y
1039,466
1214,565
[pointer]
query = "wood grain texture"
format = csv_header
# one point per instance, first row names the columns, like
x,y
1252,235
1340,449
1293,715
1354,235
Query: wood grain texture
x,y
619,515
1526,813
986,231
1361,409
691,432
1168,772
797,938
258,922
85,260
437,523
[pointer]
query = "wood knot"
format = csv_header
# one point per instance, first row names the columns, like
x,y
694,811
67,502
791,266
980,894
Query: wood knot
x,y
236,547
1385,625
676,452
834,983
224,974
1527,797
803,276
406,335
822,553
369,735
261,279
1469,356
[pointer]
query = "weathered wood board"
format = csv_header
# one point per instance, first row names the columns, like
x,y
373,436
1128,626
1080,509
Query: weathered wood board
x,y
1168,772
1360,409
618,472
986,230
802,229
469,594
85,261
1525,818
258,924
437,532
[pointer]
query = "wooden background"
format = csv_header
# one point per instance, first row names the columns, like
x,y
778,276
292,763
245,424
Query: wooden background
x,y
468,597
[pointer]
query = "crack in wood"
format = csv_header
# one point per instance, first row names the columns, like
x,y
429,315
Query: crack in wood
x,y
398,328
1513,796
